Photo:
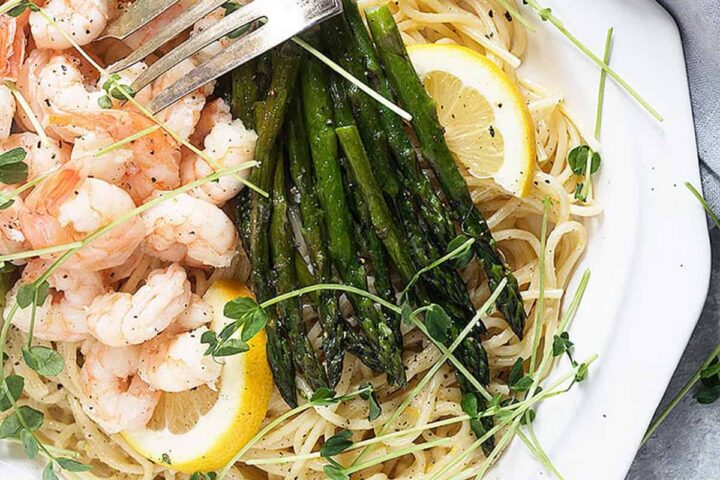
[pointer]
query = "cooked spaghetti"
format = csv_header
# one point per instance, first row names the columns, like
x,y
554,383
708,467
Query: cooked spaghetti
x,y
483,26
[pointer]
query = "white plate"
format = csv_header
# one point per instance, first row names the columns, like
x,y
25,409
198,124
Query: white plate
x,y
649,253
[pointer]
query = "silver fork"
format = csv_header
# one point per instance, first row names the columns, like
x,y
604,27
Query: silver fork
x,y
279,21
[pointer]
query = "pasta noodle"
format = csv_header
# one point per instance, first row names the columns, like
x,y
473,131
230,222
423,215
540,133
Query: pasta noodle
x,y
483,26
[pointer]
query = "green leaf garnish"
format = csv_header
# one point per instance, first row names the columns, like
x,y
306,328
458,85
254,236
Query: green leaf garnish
x,y
49,473
44,360
439,324
522,385
374,406
561,344
208,338
239,307
336,444
31,293
12,167
11,426
708,395
323,396
335,472
30,444
462,257
228,330
72,465
230,347
528,418
105,102
578,157
253,323
20,8
118,93
10,391
516,372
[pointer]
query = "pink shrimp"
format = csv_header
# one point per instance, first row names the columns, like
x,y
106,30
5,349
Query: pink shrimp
x,y
40,157
190,230
83,20
62,317
115,397
66,207
215,112
228,145
155,163
175,361
12,238
13,42
56,84
29,87
182,116
120,318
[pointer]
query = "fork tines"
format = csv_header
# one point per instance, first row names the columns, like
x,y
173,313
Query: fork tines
x,y
279,20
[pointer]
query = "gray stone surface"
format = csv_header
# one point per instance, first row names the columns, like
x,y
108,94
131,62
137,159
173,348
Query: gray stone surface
x,y
686,444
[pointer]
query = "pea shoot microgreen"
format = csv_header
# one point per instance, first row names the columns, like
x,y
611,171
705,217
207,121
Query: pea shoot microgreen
x,y
374,409
582,159
547,15
15,9
336,444
249,318
438,323
518,381
114,89
12,167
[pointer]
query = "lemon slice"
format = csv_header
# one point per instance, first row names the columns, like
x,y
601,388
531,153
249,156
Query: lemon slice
x,y
488,126
200,430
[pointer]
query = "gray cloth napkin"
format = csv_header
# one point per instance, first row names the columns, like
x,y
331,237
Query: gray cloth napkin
x,y
699,22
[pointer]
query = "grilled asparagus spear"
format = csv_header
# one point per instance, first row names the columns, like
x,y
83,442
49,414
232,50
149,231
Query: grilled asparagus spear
x,y
436,215
370,244
337,39
412,94
324,149
281,245
281,88
315,235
